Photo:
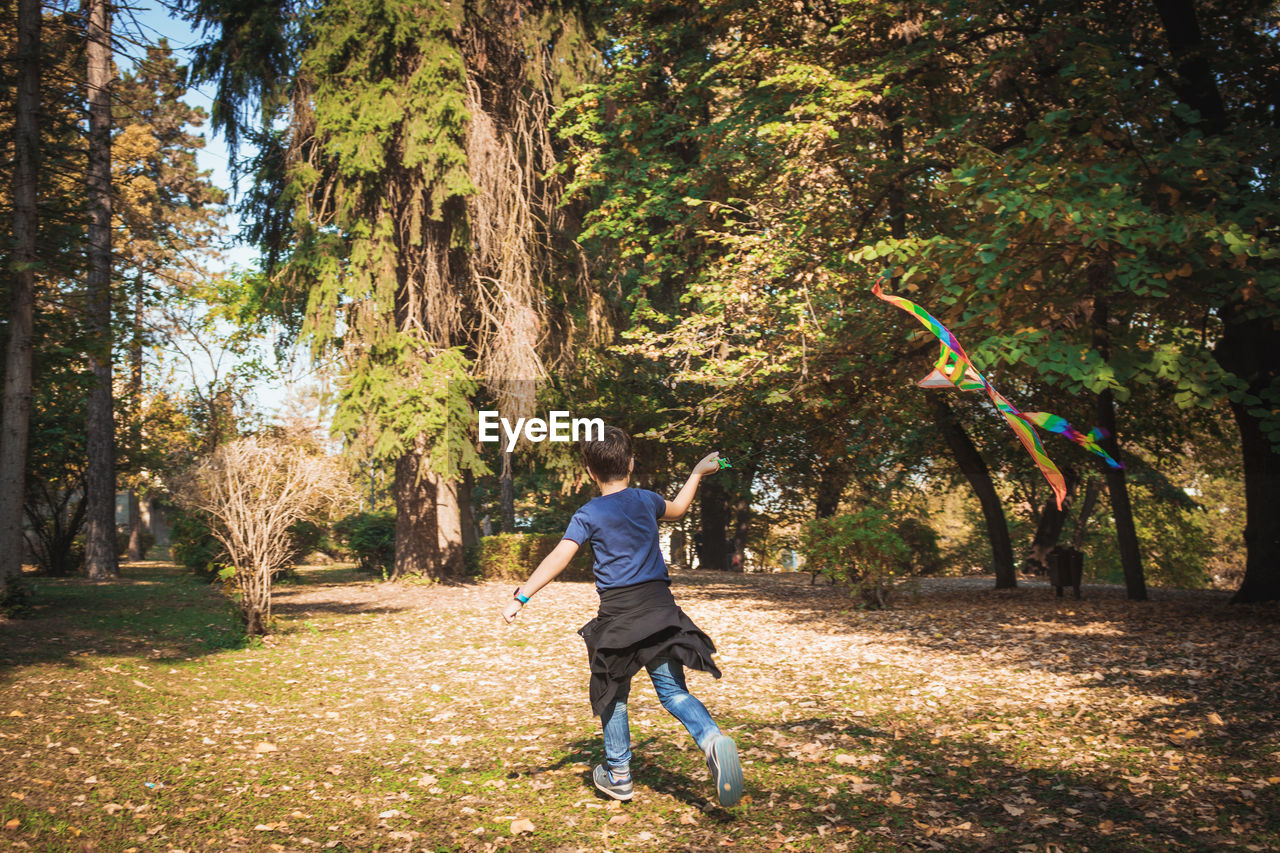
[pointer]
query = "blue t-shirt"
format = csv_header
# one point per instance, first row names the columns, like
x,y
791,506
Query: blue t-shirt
x,y
623,531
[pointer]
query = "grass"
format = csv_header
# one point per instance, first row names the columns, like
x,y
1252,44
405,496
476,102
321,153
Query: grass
x,y
133,716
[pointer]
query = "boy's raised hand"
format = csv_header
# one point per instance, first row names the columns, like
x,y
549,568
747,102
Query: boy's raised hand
x,y
709,464
511,611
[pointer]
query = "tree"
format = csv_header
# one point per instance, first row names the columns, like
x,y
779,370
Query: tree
x,y
253,490
18,358
168,215
1249,346
422,219
100,529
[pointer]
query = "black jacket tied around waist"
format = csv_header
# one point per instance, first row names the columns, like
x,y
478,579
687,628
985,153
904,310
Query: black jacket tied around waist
x,y
635,625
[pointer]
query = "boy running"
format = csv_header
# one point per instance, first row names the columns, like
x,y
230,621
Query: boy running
x,y
639,625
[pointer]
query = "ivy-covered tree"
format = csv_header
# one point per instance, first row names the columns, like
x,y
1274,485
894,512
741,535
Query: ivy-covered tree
x,y
423,227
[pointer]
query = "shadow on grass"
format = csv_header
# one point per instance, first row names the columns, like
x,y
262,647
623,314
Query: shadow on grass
x,y
920,791
155,611
1196,651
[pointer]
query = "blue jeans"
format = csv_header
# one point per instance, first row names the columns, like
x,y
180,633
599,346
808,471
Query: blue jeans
x,y
668,681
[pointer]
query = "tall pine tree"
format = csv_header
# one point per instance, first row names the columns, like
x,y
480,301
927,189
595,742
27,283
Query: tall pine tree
x,y
416,213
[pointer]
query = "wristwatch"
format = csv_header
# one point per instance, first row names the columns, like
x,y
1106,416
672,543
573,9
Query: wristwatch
x,y
523,599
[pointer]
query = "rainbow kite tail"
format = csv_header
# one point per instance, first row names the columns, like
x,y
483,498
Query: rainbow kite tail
x,y
1091,441
1026,433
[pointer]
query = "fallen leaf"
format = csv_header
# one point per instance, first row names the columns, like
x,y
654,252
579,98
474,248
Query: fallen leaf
x,y
1013,810
521,825
265,747
1215,719
846,758
619,819
14,823
688,819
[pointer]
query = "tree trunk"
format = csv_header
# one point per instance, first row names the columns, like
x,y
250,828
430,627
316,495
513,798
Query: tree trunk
x,y
1117,487
1248,347
715,523
1086,510
507,495
135,424
467,509
448,525
1197,86
417,537
678,541
100,529
16,416
1249,350
832,481
742,515
1052,520
979,476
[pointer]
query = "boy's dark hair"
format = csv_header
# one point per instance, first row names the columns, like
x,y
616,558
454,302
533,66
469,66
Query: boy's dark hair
x,y
610,458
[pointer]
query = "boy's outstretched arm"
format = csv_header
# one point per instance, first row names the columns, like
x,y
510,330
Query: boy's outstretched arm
x,y
709,464
551,565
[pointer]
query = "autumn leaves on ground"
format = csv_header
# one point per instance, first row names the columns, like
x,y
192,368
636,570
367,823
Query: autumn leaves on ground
x,y
406,717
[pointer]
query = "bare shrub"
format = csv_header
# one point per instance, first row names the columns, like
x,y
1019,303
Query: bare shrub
x,y
252,490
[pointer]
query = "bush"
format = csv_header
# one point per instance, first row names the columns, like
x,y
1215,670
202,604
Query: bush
x,y
923,555
370,538
305,537
861,553
16,595
54,528
514,556
191,544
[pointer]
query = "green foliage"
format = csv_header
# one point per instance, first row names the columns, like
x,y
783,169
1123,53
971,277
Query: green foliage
x,y
396,400
861,553
369,537
306,537
514,556
924,555
16,595
192,544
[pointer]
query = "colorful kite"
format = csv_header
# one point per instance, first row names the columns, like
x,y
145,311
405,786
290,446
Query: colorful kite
x,y
1091,440
954,369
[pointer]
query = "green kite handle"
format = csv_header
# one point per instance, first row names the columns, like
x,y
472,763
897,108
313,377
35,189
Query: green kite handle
x,y
724,463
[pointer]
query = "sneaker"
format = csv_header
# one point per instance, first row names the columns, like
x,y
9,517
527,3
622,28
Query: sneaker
x,y
619,789
722,761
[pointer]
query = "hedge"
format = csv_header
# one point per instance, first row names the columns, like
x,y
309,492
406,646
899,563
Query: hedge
x,y
514,556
